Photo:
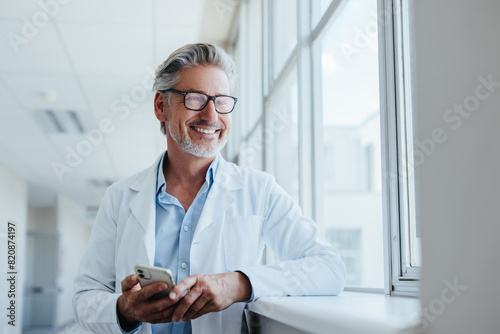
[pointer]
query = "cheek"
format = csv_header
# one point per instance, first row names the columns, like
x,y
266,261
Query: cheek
x,y
227,120
179,121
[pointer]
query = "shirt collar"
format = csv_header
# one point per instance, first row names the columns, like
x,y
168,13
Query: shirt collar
x,y
209,177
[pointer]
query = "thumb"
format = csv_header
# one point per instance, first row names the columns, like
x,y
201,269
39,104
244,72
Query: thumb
x,y
129,282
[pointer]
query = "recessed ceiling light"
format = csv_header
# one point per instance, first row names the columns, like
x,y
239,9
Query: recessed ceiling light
x,y
49,96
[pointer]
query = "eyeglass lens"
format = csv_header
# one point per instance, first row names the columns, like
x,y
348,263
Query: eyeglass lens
x,y
196,101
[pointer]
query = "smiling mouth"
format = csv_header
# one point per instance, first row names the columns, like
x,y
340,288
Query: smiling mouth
x,y
204,131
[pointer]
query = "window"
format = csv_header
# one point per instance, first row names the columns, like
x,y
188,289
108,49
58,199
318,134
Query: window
x,y
281,135
368,163
246,143
350,242
334,126
284,28
351,123
318,8
404,242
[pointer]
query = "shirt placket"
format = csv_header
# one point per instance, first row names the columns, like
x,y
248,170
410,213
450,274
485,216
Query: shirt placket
x,y
183,263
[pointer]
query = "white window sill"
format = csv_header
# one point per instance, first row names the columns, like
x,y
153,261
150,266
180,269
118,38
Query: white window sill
x,y
351,312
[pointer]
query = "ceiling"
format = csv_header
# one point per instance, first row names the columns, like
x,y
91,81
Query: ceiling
x,y
75,87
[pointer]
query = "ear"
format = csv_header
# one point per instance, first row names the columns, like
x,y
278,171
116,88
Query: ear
x,y
160,104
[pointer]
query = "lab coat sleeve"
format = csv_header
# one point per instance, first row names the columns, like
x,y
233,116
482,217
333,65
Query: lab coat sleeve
x,y
94,302
308,265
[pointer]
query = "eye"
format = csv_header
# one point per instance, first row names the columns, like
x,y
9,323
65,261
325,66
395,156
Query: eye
x,y
195,97
222,101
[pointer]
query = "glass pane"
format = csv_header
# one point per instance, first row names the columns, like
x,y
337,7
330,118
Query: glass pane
x,y
231,150
318,8
251,150
284,23
413,241
281,136
415,245
351,142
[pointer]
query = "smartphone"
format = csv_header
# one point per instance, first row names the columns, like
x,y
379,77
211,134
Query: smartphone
x,y
150,274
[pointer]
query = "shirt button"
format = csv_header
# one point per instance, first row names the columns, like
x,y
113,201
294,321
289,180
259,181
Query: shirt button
x,y
186,228
184,265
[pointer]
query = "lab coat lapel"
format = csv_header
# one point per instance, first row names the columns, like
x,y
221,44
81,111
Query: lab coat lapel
x,y
143,206
221,196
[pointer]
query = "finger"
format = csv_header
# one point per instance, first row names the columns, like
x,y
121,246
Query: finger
x,y
198,307
129,282
187,301
152,289
207,308
160,317
186,284
158,311
136,303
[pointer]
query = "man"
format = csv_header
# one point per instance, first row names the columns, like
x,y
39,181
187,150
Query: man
x,y
203,218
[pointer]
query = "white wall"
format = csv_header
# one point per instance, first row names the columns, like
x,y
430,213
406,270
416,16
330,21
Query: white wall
x,y
13,206
74,233
66,218
64,222
42,218
41,266
458,183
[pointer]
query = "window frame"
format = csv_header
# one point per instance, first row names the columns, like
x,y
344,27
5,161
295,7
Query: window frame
x,y
396,128
398,199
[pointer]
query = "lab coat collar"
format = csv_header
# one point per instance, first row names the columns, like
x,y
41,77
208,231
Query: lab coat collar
x,y
221,197
143,206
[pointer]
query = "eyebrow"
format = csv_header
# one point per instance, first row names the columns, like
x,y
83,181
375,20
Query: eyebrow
x,y
199,91
196,91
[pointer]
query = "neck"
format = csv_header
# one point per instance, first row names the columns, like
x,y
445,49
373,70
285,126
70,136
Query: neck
x,y
185,170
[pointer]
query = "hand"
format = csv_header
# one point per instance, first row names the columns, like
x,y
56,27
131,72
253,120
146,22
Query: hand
x,y
209,293
134,306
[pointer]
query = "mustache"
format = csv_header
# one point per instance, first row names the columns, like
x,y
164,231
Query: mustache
x,y
216,125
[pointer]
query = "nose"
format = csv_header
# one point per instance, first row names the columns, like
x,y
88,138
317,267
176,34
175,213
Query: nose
x,y
209,113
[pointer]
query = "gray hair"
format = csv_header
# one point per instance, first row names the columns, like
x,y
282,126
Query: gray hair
x,y
191,55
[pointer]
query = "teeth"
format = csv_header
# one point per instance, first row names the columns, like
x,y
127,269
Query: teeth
x,y
208,132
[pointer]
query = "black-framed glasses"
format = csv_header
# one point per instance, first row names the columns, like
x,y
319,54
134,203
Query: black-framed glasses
x,y
224,104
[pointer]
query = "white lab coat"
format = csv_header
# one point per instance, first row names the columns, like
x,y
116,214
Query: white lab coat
x,y
244,210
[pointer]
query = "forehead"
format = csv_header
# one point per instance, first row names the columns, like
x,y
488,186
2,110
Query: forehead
x,y
211,80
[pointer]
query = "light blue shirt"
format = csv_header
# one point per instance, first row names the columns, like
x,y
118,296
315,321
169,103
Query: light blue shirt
x,y
174,232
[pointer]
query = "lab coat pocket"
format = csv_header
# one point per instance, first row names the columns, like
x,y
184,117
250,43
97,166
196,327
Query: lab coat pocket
x,y
242,242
